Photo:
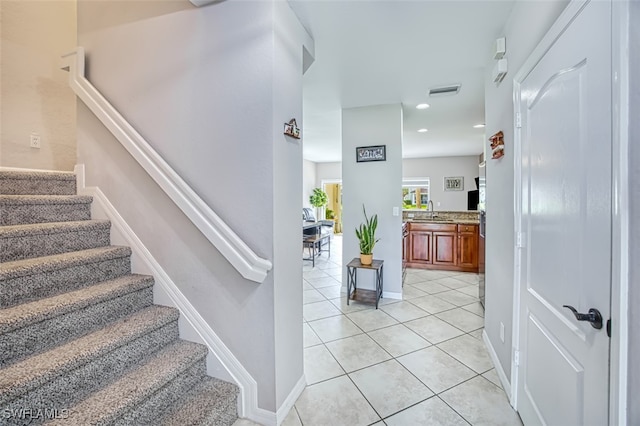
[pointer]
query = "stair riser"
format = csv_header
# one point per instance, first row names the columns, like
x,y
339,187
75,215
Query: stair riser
x,y
147,412
225,418
32,287
23,214
29,247
37,187
107,347
33,339
225,415
210,403
69,388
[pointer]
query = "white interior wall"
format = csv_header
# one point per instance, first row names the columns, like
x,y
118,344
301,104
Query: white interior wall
x,y
526,26
287,187
436,169
375,184
210,93
328,171
634,215
34,94
309,173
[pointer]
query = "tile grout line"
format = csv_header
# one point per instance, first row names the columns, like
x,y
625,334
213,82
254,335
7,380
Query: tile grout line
x,y
405,368
394,358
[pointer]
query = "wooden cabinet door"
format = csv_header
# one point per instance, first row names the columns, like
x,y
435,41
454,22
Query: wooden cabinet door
x,y
420,246
444,248
468,249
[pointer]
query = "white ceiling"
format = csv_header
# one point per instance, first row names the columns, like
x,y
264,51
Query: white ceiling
x,y
372,52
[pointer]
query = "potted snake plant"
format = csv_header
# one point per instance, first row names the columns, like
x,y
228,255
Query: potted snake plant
x,y
366,234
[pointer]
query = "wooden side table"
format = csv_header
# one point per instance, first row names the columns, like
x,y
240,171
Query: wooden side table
x,y
361,295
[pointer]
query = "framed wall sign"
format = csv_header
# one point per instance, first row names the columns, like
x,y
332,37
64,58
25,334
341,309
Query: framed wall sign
x,y
454,183
371,153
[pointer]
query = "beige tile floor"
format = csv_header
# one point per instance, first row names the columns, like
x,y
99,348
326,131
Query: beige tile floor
x,y
417,361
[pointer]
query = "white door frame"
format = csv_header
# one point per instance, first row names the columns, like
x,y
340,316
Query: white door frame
x,y
620,201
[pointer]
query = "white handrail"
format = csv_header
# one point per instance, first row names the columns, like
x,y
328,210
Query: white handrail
x,y
236,251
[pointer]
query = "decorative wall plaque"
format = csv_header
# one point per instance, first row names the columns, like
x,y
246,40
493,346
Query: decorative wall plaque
x,y
371,153
291,129
497,145
454,183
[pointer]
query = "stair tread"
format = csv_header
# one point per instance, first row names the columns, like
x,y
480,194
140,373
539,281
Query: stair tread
x,y
37,175
208,399
134,387
133,360
44,199
33,372
41,310
16,231
23,267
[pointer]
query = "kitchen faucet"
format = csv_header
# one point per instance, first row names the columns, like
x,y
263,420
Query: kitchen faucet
x,y
430,208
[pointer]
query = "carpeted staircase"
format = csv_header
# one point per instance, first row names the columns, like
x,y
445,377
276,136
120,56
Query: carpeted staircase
x,y
81,342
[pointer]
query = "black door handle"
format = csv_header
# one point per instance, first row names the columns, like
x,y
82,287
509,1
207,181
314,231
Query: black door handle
x,y
594,316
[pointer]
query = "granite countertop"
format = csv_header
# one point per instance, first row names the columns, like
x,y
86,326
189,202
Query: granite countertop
x,y
442,216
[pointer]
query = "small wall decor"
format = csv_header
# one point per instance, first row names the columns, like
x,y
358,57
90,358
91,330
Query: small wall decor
x,y
291,129
497,145
371,153
454,183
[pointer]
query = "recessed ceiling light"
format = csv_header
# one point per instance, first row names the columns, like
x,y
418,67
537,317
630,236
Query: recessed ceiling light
x,y
423,106
422,130
478,126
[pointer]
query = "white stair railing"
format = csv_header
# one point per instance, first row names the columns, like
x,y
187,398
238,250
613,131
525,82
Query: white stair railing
x,y
236,251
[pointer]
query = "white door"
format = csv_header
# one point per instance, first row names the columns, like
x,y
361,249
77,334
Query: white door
x,y
565,107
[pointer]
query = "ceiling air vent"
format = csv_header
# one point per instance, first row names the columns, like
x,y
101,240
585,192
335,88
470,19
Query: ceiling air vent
x,y
452,89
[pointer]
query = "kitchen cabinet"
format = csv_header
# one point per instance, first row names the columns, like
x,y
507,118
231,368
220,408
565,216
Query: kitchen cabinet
x,y
441,246
468,246
444,248
420,246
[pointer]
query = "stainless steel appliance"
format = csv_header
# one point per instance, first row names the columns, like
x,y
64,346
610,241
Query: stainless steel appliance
x,y
482,187
481,247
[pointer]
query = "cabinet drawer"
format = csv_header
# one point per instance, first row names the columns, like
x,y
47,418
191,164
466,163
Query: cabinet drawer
x,y
446,227
467,228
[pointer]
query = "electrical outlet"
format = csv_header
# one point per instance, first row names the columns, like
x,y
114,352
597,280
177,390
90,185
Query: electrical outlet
x,y
502,332
35,140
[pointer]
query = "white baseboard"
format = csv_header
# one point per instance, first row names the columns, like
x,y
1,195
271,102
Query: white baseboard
x,y
248,401
288,403
391,295
496,363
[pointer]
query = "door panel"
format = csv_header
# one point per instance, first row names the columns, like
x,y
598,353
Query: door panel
x,y
555,360
445,248
420,245
566,218
468,249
